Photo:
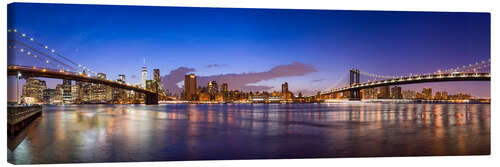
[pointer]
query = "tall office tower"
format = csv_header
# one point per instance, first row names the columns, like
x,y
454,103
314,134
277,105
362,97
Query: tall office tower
x,y
438,96
284,87
396,92
58,94
225,92
213,88
86,91
157,79
370,93
144,73
66,92
33,89
384,93
101,93
427,93
223,87
409,94
189,86
444,95
48,96
76,92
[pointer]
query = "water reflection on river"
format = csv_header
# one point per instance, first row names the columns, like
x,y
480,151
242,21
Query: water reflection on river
x,y
110,133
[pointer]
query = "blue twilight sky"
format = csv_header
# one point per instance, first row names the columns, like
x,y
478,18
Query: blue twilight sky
x,y
321,45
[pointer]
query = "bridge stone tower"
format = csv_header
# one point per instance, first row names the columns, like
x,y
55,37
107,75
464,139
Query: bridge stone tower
x,y
151,98
354,80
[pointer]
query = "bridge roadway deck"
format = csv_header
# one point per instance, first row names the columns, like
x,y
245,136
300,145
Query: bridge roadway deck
x,y
417,79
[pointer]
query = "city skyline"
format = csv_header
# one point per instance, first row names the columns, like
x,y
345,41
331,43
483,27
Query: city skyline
x,y
260,40
114,83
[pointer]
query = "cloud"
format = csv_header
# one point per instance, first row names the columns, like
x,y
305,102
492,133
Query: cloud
x,y
215,65
175,76
238,81
318,80
305,92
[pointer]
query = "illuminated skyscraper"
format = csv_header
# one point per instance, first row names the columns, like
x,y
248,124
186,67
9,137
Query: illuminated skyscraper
x,y
76,92
438,96
284,87
101,93
444,95
384,92
396,92
144,73
213,89
427,93
190,87
66,92
48,96
223,87
157,79
33,89
370,93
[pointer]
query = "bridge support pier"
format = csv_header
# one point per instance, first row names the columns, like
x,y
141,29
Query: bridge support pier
x,y
354,94
151,98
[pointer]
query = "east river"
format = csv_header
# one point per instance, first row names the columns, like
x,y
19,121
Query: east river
x,y
124,133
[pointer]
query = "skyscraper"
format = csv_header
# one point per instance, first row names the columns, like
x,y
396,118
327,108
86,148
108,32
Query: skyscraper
x,y
144,73
370,93
285,94
66,92
76,92
213,89
33,89
157,79
101,93
284,87
409,94
396,92
384,93
444,95
48,96
427,93
223,87
189,86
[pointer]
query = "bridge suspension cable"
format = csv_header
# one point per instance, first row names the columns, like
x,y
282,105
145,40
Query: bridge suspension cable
x,y
376,75
470,68
36,53
467,68
50,50
343,81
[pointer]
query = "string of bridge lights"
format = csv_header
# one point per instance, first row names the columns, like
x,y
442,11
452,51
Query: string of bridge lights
x,y
28,53
340,82
51,50
466,68
24,52
40,53
470,68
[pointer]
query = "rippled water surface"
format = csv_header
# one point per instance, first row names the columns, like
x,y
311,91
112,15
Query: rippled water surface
x,y
111,133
